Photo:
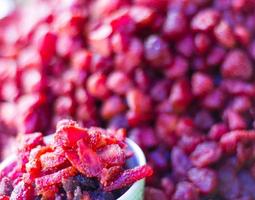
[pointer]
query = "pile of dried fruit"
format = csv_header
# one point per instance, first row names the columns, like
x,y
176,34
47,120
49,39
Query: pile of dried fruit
x,y
78,164
177,74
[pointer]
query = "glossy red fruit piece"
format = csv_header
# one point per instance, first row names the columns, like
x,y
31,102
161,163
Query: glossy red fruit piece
x,y
130,176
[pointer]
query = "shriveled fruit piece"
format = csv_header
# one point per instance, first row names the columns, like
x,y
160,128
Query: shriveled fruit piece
x,y
67,136
154,194
205,20
130,176
99,138
74,159
30,141
48,192
205,154
22,191
229,141
205,179
185,191
53,159
112,155
110,174
33,167
237,65
55,178
6,187
90,159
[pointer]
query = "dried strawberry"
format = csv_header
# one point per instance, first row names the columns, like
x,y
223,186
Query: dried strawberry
x,y
130,176
67,136
30,141
48,192
90,159
112,155
53,159
110,174
33,167
22,191
74,159
55,178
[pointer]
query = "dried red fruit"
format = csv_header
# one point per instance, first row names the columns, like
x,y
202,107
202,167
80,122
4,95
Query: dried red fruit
x,y
69,135
55,178
90,159
205,154
79,60
185,191
237,65
22,191
205,179
129,176
50,160
205,20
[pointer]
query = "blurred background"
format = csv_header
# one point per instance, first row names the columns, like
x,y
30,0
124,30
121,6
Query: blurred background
x,y
6,6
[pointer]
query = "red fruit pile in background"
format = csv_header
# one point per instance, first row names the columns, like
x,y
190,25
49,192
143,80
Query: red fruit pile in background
x,y
177,74
79,163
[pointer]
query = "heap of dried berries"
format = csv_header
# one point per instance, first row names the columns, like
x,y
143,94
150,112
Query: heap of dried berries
x,y
80,163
